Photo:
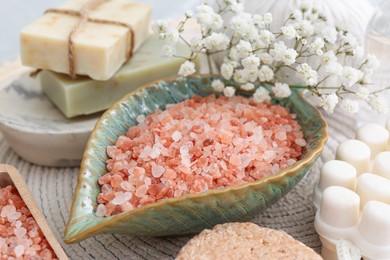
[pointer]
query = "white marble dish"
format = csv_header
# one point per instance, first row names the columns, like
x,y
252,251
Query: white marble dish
x,y
35,129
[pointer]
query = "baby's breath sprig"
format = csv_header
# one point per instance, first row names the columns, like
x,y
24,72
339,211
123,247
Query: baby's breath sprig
x,y
327,61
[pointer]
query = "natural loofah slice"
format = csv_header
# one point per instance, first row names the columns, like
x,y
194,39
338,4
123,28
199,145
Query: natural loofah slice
x,y
245,241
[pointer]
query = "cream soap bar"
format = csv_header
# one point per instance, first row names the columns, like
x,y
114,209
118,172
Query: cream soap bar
x,y
86,96
86,37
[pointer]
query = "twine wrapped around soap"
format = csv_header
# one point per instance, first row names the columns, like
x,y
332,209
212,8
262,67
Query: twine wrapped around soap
x,y
83,14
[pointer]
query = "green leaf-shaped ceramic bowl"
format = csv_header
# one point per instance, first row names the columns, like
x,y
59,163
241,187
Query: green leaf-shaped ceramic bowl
x,y
189,213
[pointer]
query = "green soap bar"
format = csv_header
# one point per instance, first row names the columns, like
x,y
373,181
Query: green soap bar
x,y
86,96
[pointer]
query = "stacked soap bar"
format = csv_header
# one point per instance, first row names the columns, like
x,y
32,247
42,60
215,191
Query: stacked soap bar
x,y
353,195
85,96
86,37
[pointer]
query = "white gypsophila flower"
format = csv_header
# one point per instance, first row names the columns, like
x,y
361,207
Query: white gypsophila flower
x,y
358,52
237,8
317,45
189,13
371,63
261,94
334,68
258,21
304,42
329,33
251,75
248,86
305,5
311,16
217,22
240,22
378,104
240,76
227,70
289,56
218,85
266,58
187,68
196,44
267,18
307,74
229,91
351,39
281,90
304,28
216,42
278,51
234,55
168,51
363,93
350,76
251,62
257,44
204,8
252,33
328,57
171,37
244,48
289,32
266,37
160,27
350,106
207,18
231,62
328,102
296,15
266,73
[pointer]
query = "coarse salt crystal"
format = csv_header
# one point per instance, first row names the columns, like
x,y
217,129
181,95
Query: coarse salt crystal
x,y
122,198
291,162
127,186
146,152
157,171
141,191
100,210
275,168
184,149
269,155
300,142
140,118
6,210
20,232
154,153
176,136
14,216
281,136
19,250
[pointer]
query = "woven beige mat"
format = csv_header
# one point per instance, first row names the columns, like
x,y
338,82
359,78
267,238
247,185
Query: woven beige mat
x,y
53,188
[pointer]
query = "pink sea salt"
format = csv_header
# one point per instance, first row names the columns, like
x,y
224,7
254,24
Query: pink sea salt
x,y
20,235
197,145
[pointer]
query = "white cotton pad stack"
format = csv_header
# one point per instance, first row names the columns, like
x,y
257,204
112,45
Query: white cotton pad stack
x,y
352,197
